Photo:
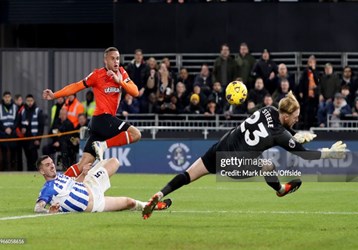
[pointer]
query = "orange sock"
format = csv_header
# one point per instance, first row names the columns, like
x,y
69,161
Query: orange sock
x,y
73,171
123,138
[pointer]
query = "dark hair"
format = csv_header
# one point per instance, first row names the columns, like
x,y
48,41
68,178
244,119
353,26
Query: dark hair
x,y
6,93
17,96
81,114
30,96
39,161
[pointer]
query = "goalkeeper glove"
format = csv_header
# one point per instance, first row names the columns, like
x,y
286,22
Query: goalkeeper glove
x,y
304,137
337,151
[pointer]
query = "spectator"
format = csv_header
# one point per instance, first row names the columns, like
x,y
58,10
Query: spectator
x,y
151,106
283,75
266,69
169,107
182,97
329,85
62,143
74,108
282,91
129,105
172,71
152,63
138,71
338,109
32,124
8,123
211,108
19,102
268,101
151,86
308,93
203,98
89,105
55,110
246,63
185,78
166,82
225,67
258,93
204,79
346,93
348,80
355,108
251,107
194,107
218,96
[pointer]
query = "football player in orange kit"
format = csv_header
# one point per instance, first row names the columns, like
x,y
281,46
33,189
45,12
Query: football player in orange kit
x,y
106,130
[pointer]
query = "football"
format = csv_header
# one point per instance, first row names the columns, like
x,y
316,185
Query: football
x,y
236,93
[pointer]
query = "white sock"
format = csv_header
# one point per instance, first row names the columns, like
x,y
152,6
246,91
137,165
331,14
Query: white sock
x,y
139,205
160,195
282,189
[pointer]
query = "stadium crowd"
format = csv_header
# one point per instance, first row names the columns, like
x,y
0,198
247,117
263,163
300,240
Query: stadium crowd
x,y
164,89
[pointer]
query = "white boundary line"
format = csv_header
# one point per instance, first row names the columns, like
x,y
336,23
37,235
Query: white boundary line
x,y
27,216
208,212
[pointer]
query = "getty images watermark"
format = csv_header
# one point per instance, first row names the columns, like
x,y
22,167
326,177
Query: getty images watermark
x,y
12,241
241,168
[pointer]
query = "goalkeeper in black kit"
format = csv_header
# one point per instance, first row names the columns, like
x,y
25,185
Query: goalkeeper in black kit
x,y
266,128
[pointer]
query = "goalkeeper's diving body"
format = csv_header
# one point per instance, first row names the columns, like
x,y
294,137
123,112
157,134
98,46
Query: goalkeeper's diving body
x,y
105,129
266,128
86,193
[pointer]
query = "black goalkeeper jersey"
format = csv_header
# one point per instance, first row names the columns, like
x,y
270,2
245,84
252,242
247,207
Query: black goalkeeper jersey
x,y
261,131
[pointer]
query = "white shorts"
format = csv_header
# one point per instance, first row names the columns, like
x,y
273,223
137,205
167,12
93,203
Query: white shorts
x,y
98,182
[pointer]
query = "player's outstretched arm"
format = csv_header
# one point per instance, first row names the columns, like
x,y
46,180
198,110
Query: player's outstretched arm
x,y
70,89
336,151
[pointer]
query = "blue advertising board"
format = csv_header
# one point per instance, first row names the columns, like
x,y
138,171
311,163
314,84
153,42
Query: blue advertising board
x,y
173,156
158,156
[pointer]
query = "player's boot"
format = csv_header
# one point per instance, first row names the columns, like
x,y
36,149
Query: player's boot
x,y
162,205
97,146
148,209
290,187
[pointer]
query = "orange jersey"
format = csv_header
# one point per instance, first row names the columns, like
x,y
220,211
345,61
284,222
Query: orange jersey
x,y
107,92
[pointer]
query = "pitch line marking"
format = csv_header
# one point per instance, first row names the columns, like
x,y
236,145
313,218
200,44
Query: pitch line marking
x,y
205,212
28,216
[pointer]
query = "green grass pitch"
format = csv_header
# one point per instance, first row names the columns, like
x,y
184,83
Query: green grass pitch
x,y
205,215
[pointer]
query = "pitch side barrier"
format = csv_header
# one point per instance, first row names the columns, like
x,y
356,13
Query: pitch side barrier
x,y
175,154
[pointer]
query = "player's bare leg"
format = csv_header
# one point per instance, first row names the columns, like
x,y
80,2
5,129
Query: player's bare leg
x,y
194,172
126,203
124,138
273,181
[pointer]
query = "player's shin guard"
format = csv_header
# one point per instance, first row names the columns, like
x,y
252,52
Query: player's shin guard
x,y
176,183
121,139
73,171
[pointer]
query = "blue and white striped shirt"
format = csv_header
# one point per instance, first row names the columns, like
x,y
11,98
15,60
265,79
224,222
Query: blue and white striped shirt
x,y
70,194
